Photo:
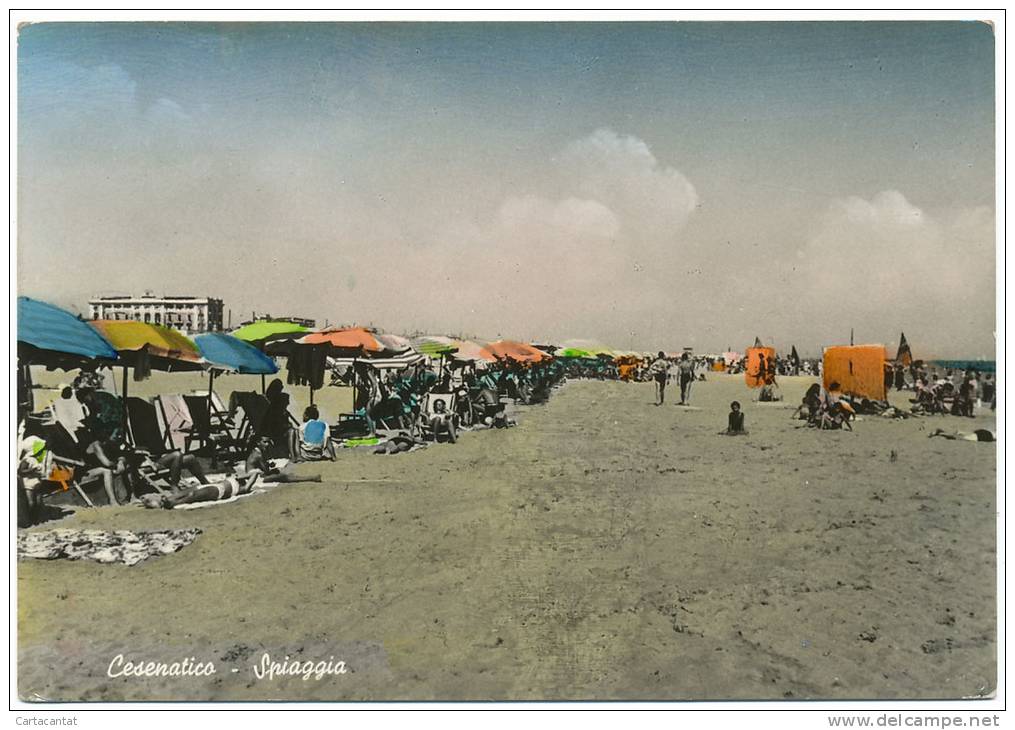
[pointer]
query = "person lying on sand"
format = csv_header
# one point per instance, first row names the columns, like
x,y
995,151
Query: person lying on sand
x,y
735,423
227,488
397,444
980,434
242,481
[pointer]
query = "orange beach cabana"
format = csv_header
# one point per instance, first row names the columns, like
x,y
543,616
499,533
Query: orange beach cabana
x,y
858,369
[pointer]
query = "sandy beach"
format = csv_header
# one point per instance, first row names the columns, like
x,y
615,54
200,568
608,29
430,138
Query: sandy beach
x,y
602,549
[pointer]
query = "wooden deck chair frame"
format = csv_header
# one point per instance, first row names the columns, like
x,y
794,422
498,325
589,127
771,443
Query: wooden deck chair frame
x,y
166,444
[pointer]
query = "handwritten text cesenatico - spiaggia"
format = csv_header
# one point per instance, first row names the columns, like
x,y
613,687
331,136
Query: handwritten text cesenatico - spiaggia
x,y
265,668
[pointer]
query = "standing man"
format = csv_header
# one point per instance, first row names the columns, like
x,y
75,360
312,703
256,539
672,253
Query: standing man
x,y
686,370
660,370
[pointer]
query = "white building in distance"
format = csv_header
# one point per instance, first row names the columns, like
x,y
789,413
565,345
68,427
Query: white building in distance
x,y
190,314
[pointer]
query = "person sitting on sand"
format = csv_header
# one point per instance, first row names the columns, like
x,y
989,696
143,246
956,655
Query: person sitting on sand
x,y
312,441
257,462
735,422
830,396
810,405
837,416
980,434
769,393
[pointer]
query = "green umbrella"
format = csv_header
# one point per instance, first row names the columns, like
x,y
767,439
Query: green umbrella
x,y
262,331
576,352
270,336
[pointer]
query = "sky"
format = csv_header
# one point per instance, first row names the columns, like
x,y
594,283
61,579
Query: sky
x,y
644,185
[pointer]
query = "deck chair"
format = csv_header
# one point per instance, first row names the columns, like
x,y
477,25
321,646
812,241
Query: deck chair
x,y
350,426
176,419
217,406
144,428
252,407
429,412
148,438
67,481
313,442
211,432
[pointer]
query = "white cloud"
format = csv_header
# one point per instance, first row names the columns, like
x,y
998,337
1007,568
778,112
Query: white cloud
x,y
621,172
570,254
887,208
885,264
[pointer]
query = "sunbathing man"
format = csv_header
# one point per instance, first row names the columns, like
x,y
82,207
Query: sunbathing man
x,y
980,434
397,444
227,488
242,482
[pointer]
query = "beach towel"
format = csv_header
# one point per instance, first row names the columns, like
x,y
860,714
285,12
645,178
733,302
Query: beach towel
x,y
120,546
261,486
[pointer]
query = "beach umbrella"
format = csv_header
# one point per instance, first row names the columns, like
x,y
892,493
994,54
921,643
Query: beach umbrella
x,y
592,347
227,353
50,336
356,340
260,332
270,336
355,343
576,352
473,351
142,346
54,338
435,345
517,351
166,348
